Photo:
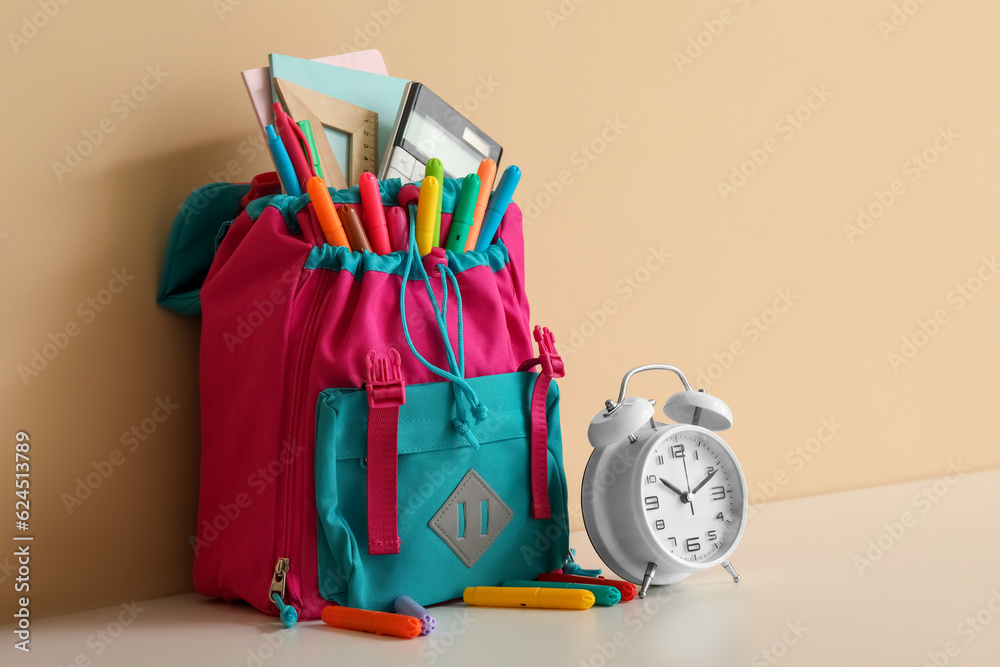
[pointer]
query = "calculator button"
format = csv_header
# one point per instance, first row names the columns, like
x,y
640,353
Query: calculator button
x,y
393,173
402,162
418,171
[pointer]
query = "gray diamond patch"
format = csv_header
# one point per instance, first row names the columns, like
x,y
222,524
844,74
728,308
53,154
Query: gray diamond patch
x,y
471,519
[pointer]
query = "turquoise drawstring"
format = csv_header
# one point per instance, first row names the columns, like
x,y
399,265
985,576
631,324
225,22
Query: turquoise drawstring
x,y
457,366
286,612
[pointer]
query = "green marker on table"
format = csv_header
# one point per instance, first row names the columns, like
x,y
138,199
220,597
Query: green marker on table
x,y
604,596
307,130
435,168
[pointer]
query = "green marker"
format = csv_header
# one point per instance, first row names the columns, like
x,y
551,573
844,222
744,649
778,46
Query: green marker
x,y
461,221
604,596
307,130
435,168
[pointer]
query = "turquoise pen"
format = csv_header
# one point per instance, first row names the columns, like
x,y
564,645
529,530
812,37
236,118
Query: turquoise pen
x,y
282,163
499,201
604,596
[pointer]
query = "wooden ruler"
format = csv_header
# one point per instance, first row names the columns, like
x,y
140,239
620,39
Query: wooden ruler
x,y
359,124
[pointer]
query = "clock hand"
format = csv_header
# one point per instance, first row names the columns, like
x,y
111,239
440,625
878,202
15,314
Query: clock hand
x,y
703,482
687,496
673,488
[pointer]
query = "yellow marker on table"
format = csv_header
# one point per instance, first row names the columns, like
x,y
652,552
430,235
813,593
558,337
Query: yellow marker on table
x,y
537,598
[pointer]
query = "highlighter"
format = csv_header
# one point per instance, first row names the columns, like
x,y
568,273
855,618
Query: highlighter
x,y
371,204
435,168
329,221
379,622
499,201
408,607
430,189
604,596
487,173
625,588
307,130
537,598
461,221
352,225
399,228
286,172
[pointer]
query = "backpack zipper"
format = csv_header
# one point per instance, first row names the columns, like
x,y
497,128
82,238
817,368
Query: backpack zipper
x,y
283,564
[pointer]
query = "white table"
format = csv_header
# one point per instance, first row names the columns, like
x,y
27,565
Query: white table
x,y
802,600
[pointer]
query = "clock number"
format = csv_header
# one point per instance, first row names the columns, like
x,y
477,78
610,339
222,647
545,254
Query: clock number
x,y
709,470
692,545
660,525
712,536
718,493
659,460
673,539
651,479
720,517
676,451
652,503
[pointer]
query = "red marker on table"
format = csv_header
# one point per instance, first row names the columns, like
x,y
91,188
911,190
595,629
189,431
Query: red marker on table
x,y
627,590
371,204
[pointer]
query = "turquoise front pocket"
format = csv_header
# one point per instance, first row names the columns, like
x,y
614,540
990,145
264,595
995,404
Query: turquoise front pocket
x,y
464,514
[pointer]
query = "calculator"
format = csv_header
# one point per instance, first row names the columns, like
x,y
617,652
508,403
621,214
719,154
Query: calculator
x,y
426,127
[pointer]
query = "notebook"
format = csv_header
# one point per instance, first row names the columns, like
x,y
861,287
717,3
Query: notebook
x,y
258,81
377,92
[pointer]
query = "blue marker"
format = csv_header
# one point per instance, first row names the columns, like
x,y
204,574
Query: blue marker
x,y
282,164
409,607
497,207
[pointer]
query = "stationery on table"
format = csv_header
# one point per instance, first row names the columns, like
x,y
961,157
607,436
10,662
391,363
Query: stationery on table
x,y
625,588
377,622
409,607
604,596
537,598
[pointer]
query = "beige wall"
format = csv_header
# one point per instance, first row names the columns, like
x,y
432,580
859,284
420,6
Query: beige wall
x,y
662,134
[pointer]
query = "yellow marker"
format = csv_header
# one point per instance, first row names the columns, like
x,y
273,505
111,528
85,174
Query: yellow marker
x,y
538,598
430,188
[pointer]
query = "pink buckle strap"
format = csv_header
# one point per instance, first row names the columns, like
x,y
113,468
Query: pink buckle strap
x,y
386,392
552,367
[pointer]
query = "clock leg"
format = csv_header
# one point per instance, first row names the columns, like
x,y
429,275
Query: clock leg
x,y
731,571
647,579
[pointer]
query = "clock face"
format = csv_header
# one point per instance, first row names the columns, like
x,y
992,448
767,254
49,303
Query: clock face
x,y
692,496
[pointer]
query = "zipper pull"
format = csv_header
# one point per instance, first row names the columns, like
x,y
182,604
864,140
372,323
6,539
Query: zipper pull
x,y
277,594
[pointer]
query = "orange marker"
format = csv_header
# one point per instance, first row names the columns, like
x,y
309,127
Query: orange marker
x,y
487,173
352,225
329,221
379,622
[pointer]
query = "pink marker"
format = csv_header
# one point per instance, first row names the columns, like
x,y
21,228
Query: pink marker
x,y
399,228
371,203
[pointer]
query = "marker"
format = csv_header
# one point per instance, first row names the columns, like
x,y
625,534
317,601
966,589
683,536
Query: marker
x,y
379,622
398,226
352,225
435,168
329,221
537,598
371,204
461,221
604,596
292,137
307,130
627,590
409,607
282,164
430,189
497,207
487,172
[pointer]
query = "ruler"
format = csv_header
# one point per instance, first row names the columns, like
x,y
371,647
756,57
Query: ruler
x,y
359,124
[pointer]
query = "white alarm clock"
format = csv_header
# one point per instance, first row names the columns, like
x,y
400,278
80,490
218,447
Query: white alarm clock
x,y
662,501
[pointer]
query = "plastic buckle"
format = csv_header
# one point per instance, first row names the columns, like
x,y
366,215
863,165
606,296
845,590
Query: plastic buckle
x,y
552,364
385,386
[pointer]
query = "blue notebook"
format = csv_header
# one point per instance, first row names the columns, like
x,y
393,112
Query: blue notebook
x,y
375,92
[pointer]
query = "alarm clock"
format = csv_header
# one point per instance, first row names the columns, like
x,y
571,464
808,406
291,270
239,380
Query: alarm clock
x,y
662,501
